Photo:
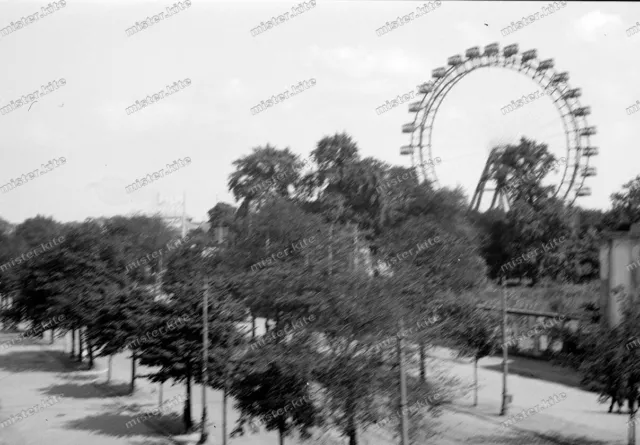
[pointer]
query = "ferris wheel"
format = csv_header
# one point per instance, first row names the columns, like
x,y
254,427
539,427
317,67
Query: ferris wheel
x,y
566,100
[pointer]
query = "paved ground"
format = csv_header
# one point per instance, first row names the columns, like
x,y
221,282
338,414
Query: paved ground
x,y
579,419
89,412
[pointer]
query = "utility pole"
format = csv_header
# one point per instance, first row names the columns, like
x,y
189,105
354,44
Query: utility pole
x,y
632,426
404,422
504,410
184,214
224,403
205,346
159,286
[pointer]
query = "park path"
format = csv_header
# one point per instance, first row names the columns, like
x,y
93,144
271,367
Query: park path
x,y
89,412
579,419
77,412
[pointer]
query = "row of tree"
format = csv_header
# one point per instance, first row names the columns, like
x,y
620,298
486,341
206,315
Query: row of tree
x,y
342,282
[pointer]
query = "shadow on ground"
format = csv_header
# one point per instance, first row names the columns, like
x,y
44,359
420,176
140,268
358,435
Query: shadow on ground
x,y
79,377
535,439
123,421
34,361
8,341
89,376
539,369
87,391
151,441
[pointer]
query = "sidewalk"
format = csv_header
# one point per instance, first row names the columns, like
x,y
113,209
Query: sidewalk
x,y
579,419
31,372
90,412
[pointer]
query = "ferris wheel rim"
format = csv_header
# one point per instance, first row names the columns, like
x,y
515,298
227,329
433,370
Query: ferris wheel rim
x,y
574,124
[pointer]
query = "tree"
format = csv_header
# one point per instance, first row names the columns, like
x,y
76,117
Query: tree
x,y
26,237
272,386
429,249
222,215
138,237
350,313
88,270
534,219
266,172
625,206
178,352
473,331
9,273
522,170
6,228
610,359
37,230
122,322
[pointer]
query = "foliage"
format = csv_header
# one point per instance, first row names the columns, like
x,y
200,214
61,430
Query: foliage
x,y
354,215
625,206
475,332
273,388
265,173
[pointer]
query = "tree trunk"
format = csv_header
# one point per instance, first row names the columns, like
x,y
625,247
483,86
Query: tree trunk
x,y
109,369
224,407
73,343
80,345
132,387
351,430
632,421
423,358
281,431
186,415
475,382
330,255
516,331
253,327
53,335
266,325
90,350
404,422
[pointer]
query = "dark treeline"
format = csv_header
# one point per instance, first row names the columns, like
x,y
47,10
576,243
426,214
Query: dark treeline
x,y
336,299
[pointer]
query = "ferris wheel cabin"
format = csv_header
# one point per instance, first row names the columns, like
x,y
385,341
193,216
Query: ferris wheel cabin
x,y
473,52
510,50
584,191
582,111
591,151
406,150
492,49
545,65
529,55
439,72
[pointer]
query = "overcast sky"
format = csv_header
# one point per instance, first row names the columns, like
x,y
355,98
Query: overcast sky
x,y
232,71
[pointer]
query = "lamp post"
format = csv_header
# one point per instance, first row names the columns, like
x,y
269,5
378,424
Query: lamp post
x,y
205,347
404,421
504,410
204,435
